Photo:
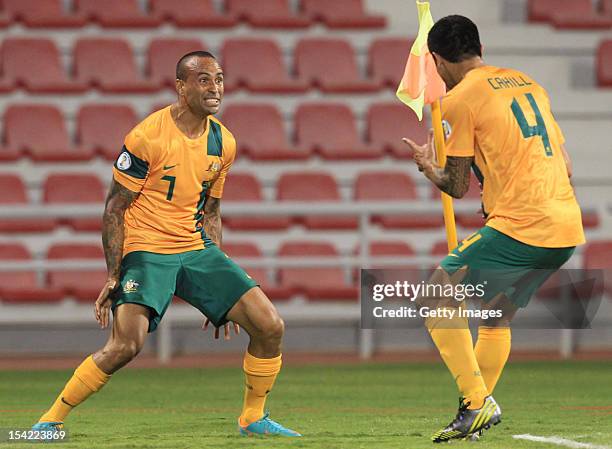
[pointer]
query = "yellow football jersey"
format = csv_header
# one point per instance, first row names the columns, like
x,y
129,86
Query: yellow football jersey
x,y
502,117
173,174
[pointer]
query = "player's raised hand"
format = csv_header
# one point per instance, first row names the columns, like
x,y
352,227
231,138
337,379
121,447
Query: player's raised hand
x,y
226,329
103,303
423,155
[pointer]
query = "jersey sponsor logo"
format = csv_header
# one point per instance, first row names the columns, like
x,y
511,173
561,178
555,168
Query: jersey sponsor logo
x,y
130,286
447,128
124,161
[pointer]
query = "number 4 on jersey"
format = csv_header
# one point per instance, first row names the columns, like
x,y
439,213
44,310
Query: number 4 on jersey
x,y
531,131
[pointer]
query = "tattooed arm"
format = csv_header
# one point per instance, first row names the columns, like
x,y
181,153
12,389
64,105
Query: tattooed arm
x,y
212,219
453,178
118,200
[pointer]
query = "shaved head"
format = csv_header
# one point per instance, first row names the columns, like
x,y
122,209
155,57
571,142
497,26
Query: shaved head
x,y
183,65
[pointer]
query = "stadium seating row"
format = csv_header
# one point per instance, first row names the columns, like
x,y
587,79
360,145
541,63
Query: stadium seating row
x,y
333,283
327,129
255,64
303,186
572,14
70,188
189,13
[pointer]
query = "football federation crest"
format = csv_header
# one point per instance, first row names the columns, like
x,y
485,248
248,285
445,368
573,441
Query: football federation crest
x,y
124,161
130,286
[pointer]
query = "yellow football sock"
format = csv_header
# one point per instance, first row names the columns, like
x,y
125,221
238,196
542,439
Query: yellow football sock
x,y
260,376
454,341
492,351
86,380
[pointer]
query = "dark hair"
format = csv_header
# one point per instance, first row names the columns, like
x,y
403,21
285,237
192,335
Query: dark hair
x,y
181,70
455,38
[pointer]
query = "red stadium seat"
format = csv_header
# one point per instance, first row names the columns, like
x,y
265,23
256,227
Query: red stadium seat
x,y
590,219
83,284
22,286
591,21
388,123
266,13
257,64
569,14
121,76
17,57
606,8
387,60
246,187
439,249
544,10
4,20
190,13
313,187
102,127
604,63
342,14
330,130
330,65
249,250
597,256
393,186
40,131
396,248
116,13
317,284
42,14
260,142
590,18
68,188
14,193
162,56
384,185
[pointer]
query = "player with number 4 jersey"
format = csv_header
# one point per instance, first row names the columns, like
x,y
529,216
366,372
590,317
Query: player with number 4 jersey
x,y
498,123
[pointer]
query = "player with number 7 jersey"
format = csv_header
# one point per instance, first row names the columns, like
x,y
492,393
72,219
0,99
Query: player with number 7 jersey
x,y
174,174
162,238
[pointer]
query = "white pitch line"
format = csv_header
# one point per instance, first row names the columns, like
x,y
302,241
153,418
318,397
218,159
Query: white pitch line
x,y
559,442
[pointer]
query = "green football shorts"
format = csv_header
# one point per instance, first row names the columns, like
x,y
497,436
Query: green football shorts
x,y
207,279
505,265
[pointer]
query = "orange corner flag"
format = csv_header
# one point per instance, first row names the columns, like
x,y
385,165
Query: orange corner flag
x,y
421,83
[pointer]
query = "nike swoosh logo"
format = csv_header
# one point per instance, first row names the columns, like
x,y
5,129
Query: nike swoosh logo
x,y
168,167
453,255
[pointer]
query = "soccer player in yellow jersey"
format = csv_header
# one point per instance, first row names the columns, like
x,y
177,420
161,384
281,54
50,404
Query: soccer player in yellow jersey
x,y
497,121
162,236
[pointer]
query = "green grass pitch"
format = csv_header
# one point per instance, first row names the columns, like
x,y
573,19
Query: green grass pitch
x,y
345,406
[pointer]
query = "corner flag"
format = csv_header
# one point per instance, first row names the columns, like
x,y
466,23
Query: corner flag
x,y
422,85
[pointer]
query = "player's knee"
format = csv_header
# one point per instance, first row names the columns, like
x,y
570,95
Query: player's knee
x,y
125,351
275,328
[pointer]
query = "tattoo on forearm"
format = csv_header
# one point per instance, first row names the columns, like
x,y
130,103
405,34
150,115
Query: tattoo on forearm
x,y
454,178
211,221
118,200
